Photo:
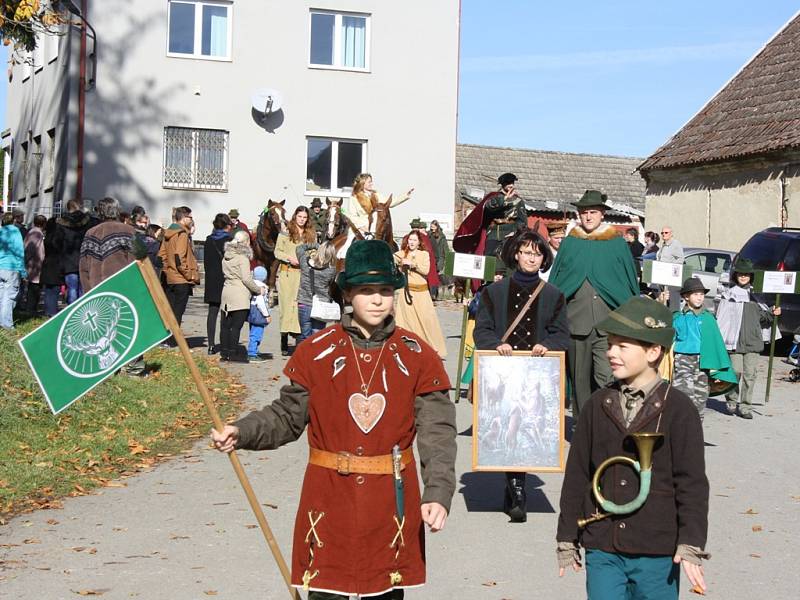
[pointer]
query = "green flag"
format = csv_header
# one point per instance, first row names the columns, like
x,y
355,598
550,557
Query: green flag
x,y
93,337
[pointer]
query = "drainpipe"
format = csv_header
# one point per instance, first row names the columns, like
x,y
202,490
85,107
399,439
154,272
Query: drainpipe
x,y
81,107
708,218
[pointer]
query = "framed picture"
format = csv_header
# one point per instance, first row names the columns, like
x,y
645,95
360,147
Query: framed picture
x,y
518,412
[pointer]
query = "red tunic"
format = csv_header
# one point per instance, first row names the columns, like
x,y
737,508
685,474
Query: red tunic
x,y
348,550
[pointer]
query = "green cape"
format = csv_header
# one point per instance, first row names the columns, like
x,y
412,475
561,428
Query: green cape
x,y
713,356
607,264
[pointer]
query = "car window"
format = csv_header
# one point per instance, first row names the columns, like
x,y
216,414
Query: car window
x,y
717,263
791,262
694,262
765,250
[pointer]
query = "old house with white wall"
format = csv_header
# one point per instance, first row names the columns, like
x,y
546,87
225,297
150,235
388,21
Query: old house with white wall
x,y
734,168
172,116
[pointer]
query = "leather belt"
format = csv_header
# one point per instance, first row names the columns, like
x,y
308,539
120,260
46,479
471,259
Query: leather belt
x,y
418,287
345,463
288,267
502,222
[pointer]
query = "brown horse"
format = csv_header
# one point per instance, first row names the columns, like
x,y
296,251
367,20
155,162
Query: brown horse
x,y
270,224
379,228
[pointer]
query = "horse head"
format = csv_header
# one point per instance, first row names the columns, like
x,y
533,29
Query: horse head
x,y
381,221
333,222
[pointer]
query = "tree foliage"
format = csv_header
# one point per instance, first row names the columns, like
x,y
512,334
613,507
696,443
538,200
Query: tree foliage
x,y
22,20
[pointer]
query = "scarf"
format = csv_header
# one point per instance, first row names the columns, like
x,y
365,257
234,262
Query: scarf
x,y
219,234
729,314
526,280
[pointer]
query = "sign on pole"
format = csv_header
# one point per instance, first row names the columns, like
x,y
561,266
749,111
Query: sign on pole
x,y
664,273
93,337
776,282
470,266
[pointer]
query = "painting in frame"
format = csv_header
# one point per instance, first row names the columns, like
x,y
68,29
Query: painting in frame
x,y
518,412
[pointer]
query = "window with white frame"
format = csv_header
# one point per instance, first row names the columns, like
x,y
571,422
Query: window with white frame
x,y
199,29
339,40
195,159
332,164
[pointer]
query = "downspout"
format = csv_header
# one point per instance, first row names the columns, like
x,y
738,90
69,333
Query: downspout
x,y
782,205
708,218
81,107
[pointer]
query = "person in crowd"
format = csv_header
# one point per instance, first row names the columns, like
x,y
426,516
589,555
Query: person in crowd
x,y
300,230
72,228
180,273
522,313
397,390
414,308
440,249
106,247
258,318
34,259
51,277
12,268
213,251
741,321
651,248
595,271
671,251
317,269
632,239
319,217
141,223
637,555
237,291
360,206
420,227
556,231
700,354
236,223
18,216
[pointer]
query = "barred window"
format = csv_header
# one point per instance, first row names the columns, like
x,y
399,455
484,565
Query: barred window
x,y
195,159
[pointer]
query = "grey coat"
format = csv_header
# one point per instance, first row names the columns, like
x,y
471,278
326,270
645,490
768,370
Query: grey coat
x,y
239,285
322,277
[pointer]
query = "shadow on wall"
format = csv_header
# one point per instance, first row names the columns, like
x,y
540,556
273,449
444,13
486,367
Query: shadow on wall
x,y
731,176
126,113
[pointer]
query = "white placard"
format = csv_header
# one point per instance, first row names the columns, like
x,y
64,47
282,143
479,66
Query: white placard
x,y
665,273
469,266
779,282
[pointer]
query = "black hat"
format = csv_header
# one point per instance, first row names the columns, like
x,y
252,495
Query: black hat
x,y
744,266
591,198
316,202
369,262
506,179
641,319
693,284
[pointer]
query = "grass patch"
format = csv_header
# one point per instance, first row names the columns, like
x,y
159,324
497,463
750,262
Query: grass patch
x,y
122,426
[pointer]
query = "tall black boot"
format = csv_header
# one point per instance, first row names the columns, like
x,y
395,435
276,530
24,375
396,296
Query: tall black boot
x,y
515,502
284,344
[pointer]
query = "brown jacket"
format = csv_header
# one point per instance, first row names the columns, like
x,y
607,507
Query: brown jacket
x,y
177,255
676,510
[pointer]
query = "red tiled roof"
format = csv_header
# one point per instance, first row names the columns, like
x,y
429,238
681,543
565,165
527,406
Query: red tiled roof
x,y
756,113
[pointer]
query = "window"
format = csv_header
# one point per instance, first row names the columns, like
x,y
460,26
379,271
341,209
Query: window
x,y
49,180
332,165
200,30
21,191
35,168
339,40
195,159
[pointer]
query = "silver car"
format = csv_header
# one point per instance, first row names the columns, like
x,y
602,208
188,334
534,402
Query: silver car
x,y
708,265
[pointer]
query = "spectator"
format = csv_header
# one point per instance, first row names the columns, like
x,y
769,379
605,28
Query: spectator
x,y
19,220
651,240
179,263
72,228
258,318
556,231
319,218
317,269
52,277
632,238
236,293
106,247
141,223
440,250
34,258
213,250
236,223
671,252
12,269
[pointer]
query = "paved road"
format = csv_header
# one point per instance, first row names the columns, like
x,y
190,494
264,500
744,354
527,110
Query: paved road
x,y
184,530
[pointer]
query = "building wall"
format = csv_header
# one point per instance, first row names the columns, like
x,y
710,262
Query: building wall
x,y
405,107
723,206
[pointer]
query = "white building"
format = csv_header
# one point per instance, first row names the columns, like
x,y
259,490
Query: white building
x,y
365,85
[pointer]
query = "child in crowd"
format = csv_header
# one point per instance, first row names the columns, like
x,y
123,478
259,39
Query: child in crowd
x,y
317,268
699,352
636,555
741,321
259,317
365,389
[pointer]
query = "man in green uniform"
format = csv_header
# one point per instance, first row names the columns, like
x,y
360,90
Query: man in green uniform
x,y
504,213
594,270
319,216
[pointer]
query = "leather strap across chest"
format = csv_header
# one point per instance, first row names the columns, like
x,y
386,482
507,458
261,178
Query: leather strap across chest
x,y
345,463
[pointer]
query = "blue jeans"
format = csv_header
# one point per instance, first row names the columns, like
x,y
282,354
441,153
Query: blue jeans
x,y
254,340
74,289
630,576
51,293
308,326
9,289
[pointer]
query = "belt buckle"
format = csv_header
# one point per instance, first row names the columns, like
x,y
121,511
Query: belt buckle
x,y
343,463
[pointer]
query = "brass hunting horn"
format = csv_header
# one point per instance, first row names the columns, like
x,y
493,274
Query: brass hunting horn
x,y
645,443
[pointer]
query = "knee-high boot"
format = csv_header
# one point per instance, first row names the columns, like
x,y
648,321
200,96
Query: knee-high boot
x,y
515,502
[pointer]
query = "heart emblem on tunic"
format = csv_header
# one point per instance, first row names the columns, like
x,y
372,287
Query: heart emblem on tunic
x,y
366,411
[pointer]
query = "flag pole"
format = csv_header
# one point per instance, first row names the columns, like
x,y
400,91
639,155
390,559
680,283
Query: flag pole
x,y
164,309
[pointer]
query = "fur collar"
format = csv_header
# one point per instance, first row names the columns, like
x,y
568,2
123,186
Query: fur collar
x,y
232,249
603,233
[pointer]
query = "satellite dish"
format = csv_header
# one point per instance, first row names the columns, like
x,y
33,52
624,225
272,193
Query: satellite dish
x,y
267,101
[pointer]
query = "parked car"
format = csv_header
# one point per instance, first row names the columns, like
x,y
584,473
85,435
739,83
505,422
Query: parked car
x,y
708,265
777,249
